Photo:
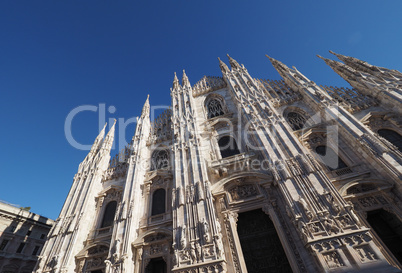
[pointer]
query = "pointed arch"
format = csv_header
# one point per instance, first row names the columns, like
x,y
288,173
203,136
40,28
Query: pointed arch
x,y
296,118
108,215
228,182
392,136
153,232
215,106
364,186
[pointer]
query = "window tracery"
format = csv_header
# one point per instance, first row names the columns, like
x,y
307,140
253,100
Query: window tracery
x,y
296,120
215,108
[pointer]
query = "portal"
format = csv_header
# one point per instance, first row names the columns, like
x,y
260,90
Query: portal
x,y
262,249
156,265
389,229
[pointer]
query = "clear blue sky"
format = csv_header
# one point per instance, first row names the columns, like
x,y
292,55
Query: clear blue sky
x,y
57,55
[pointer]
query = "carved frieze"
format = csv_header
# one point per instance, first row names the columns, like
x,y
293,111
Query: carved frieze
x,y
243,191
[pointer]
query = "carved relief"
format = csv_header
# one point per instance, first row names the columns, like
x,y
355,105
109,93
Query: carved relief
x,y
333,259
243,191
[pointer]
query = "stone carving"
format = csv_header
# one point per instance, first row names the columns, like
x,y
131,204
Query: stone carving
x,y
333,259
208,84
155,249
200,191
218,246
278,92
95,262
198,251
161,127
350,99
330,226
193,254
205,229
116,254
97,250
366,254
305,207
242,192
368,201
183,240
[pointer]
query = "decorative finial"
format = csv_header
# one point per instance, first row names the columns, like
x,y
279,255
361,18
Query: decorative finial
x,y
176,83
233,63
224,68
185,81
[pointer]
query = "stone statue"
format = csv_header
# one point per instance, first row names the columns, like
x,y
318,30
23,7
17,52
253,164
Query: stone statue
x,y
205,228
183,240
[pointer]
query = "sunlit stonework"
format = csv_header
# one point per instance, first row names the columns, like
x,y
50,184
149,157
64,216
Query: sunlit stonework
x,y
245,175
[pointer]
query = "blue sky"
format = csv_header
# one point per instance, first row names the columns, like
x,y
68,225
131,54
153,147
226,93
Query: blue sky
x,y
58,55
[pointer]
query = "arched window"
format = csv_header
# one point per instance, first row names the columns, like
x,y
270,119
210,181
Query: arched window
x,y
330,158
228,146
158,202
392,137
160,160
108,216
295,120
214,108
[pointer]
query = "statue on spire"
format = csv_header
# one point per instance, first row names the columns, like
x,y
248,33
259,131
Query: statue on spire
x,y
176,83
223,66
185,81
233,63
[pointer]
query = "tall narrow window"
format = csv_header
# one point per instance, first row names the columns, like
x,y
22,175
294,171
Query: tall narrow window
x,y
108,216
160,160
21,247
158,202
295,120
36,250
392,137
228,146
3,244
330,158
214,108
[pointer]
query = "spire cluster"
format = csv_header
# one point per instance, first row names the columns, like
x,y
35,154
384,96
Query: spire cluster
x,y
184,81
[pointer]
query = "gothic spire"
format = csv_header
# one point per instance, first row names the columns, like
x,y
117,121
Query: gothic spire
x,y
363,66
185,82
233,63
98,140
279,66
108,142
343,70
145,108
223,66
352,62
176,83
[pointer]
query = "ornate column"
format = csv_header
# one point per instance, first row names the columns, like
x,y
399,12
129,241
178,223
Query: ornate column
x,y
230,223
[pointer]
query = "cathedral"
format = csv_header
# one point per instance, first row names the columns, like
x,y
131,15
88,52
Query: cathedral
x,y
245,175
